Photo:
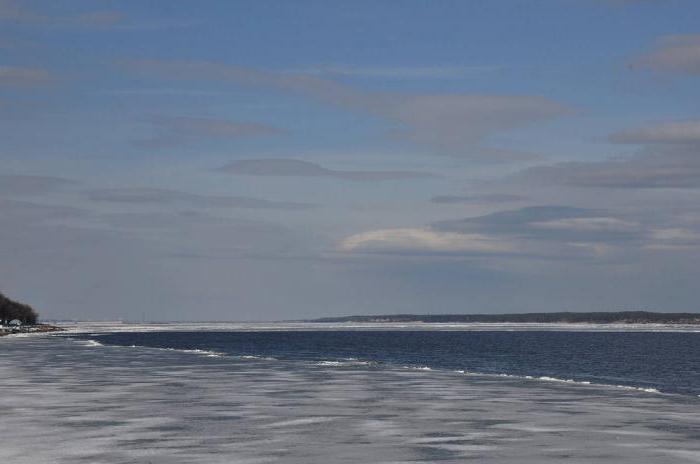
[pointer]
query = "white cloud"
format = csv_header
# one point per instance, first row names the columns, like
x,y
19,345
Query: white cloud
x,y
421,241
674,239
589,224
459,124
668,158
674,53
675,233
449,124
546,232
665,132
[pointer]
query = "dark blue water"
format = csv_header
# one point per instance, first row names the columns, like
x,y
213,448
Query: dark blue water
x,y
668,362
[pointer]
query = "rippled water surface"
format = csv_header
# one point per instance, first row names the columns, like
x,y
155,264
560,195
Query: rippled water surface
x,y
667,362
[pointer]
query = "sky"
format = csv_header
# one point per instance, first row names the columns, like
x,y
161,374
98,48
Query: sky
x,y
274,160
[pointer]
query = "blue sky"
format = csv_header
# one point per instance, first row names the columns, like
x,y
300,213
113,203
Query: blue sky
x,y
276,160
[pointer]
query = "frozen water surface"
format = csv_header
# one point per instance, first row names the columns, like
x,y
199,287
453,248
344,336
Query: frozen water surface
x,y
70,401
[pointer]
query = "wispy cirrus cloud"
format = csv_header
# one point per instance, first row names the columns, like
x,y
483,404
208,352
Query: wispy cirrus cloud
x,y
18,13
162,92
668,159
549,223
672,132
299,168
420,241
673,54
19,185
21,76
551,232
18,214
450,124
487,198
461,124
165,197
397,72
673,169
674,239
177,130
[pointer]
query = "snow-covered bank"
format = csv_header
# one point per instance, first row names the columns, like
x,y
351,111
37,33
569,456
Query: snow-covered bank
x,y
28,329
88,327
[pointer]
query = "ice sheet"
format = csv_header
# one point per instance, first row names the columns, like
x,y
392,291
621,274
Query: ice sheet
x,y
87,327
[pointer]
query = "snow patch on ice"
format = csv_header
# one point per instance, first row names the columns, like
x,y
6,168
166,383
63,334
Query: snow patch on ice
x,y
545,378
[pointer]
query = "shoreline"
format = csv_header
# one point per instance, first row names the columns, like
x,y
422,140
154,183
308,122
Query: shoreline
x,y
557,317
115,326
38,328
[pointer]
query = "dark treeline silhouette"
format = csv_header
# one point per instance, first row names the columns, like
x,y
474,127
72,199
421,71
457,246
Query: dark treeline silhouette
x,y
11,310
629,317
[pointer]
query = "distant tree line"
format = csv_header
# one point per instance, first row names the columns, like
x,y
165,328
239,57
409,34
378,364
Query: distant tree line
x,y
11,310
629,317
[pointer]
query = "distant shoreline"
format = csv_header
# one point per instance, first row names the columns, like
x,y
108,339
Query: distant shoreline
x,y
618,317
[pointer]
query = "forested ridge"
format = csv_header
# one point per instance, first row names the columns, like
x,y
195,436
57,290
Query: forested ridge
x,y
602,317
